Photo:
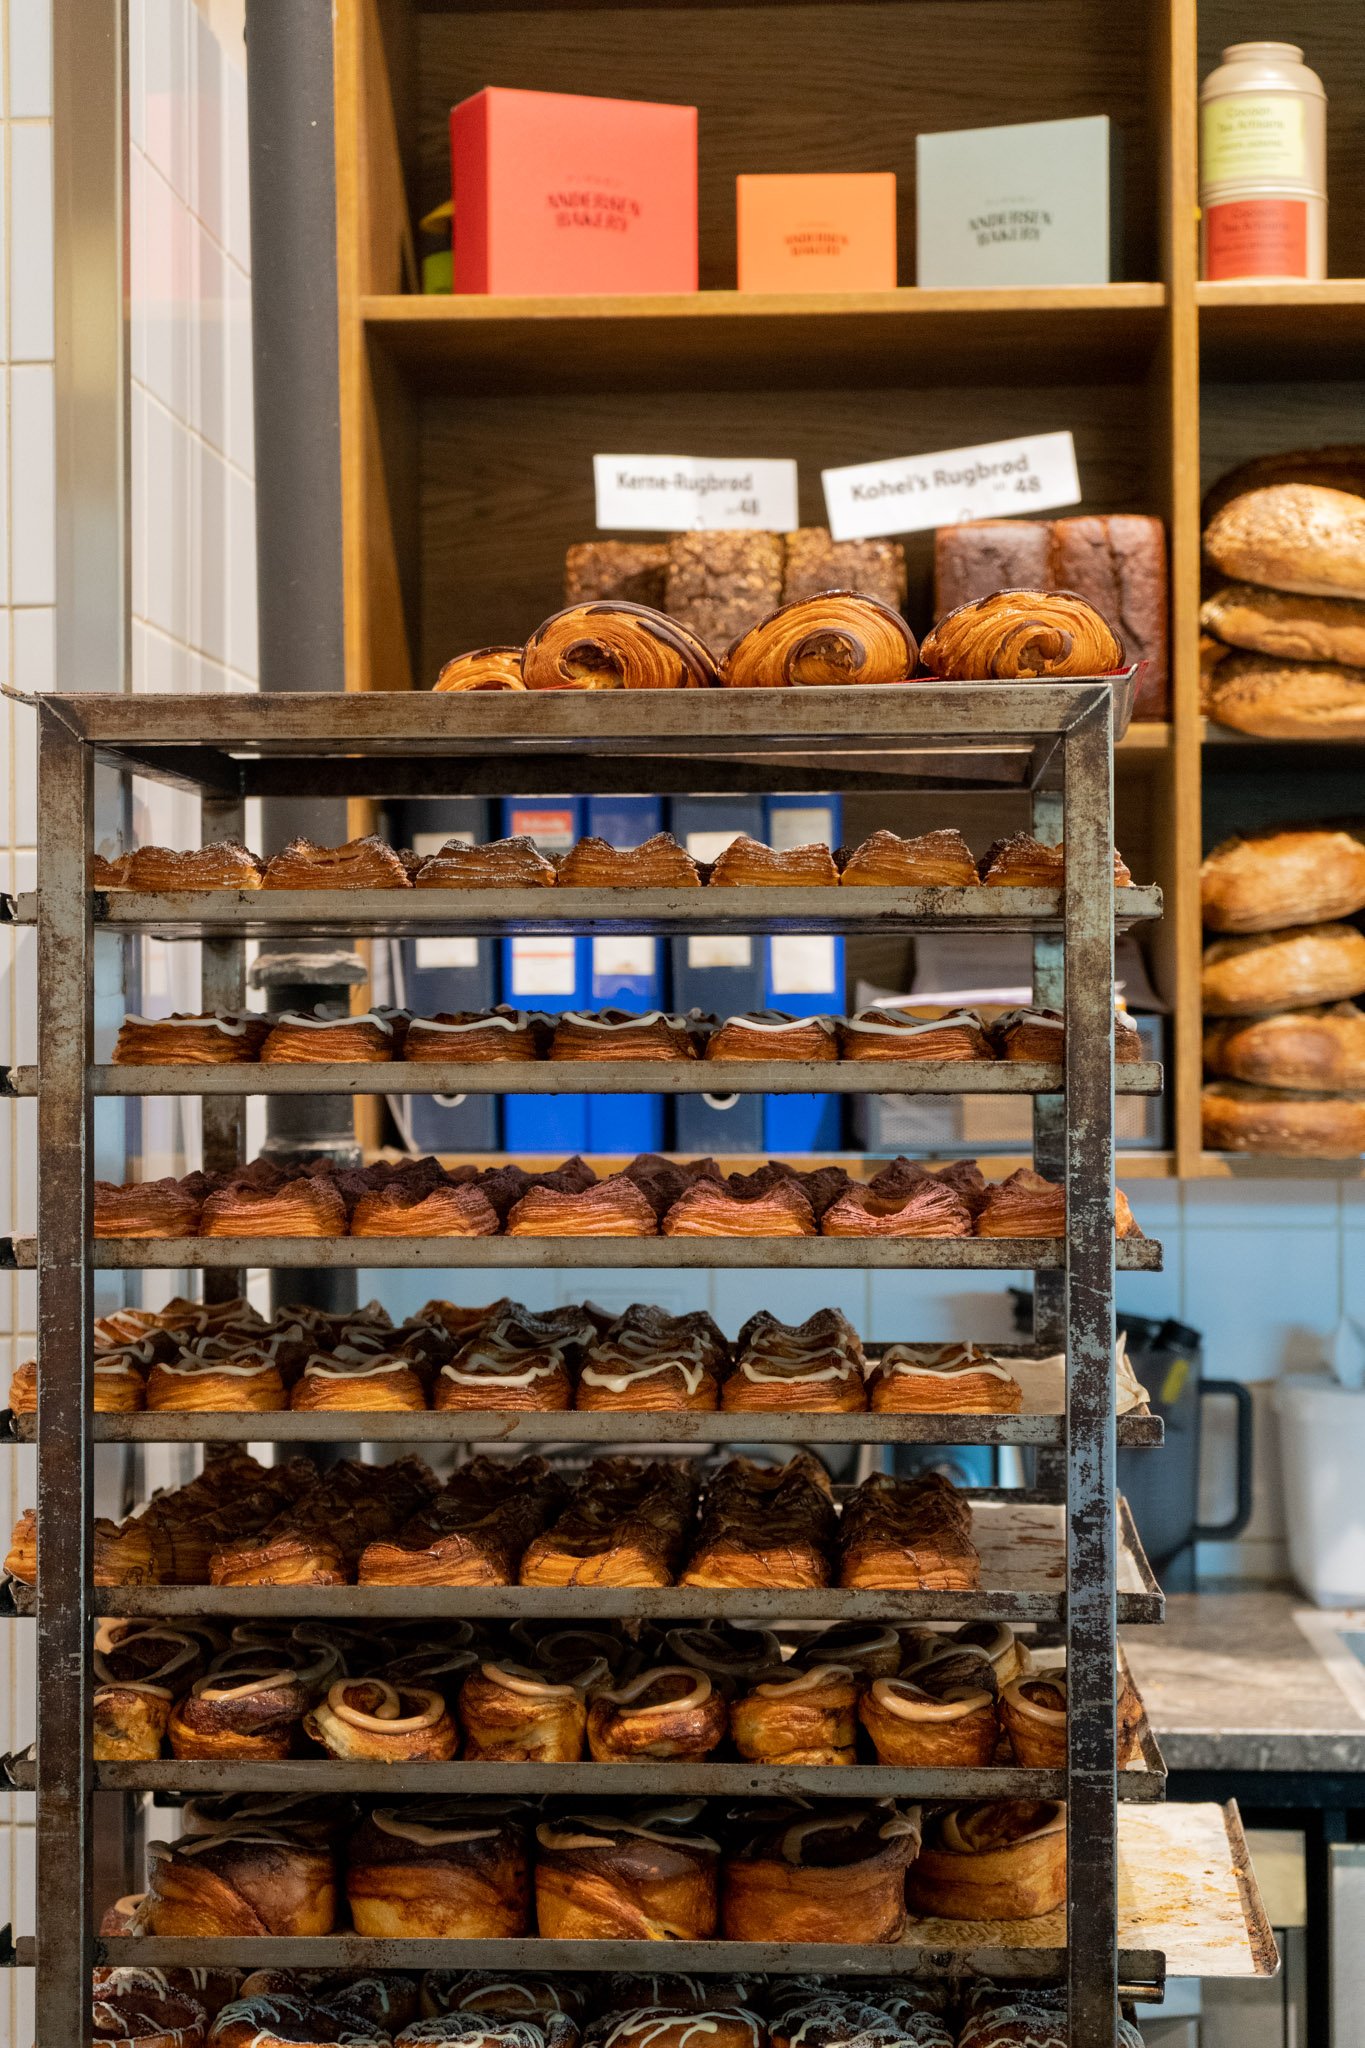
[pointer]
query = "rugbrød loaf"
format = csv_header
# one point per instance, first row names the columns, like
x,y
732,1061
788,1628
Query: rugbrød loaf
x,y
633,569
721,584
1287,700
1021,634
1117,562
1284,624
980,556
1307,538
813,563
1321,1049
1241,1117
1292,969
1256,882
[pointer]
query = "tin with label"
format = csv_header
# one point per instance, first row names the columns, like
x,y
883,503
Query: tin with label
x,y
1263,166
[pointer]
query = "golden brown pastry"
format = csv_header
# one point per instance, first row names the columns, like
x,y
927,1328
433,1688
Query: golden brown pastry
x,y
792,1716
1040,1035
772,1035
475,1035
870,1649
1033,1715
253,1880
1238,1116
942,1379
359,864
764,1526
1004,1860
1023,862
918,1034
612,1208
655,1362
673,2023
1258,881
1321,1049
209,1039
122,2018
250,1703
447,1869
505,1368
368,1720
297,1040
208,1987
934,860
731,1654
746,865
158,871
1025,1205
923,1208
416,1208
500,864
1016,635
1289,626
1292,969
487,668
939,1715
21,1560
649,1874
119,1385
1287,700
383,1384
190,1385
832,639
106,873
512,1714
307,1206
615,645
815,1367
1301,537
828,1874
473,1533
138,1676
625,1527
665,1711
908,1533
658,863
149,1208
619,1035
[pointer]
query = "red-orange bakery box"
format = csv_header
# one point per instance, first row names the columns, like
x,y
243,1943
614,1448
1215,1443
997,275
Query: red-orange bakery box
x,y
559,193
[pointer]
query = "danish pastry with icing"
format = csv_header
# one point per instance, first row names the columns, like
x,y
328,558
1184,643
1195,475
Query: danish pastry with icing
x,y
1040,1035
615,645
297,1040
942,1379
665,1711
745,864
506,1368
1019,635
474,1035
878,1034
371,1720
772,1035
649,1874
486,668
512,1714
1003,1860
138,1675
252,1881
811,1368
621,1035
933,860
658,863
514,863
378,1384
941,1715
793,1716
652,1362
213,1038
250,1703
824,641
191,1385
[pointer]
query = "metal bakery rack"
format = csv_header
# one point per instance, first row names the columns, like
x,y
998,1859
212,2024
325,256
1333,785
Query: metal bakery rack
x,y
1152,1888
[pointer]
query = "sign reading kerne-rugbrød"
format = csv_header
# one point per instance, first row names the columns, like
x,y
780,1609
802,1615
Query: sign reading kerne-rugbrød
x,y
913,492
694,493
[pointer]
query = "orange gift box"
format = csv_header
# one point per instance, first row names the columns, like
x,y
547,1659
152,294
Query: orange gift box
x,y
558,193
817,232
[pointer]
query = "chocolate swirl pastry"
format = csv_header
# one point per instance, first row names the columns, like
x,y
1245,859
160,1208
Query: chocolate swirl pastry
x,y
933,860
250,1703
140,2019
249,1880
274,1205
139,1672
627,1526
615,1207
514,863
210,1038
765,1526
836,1874
1004,1860
511,1997
487,668
922,1208
940,1714
832,639
451,1869
615,646
743,1205
658,863
792,1716
1023,862
668,1710
1016,635
371,1720
649,1874
511,1714
1321,1048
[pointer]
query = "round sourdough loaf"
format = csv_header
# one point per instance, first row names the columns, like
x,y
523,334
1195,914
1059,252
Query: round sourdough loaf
x,y
1259,881
1284,970
1239,1117
1301,537
1286,700
1286,624
1321,1049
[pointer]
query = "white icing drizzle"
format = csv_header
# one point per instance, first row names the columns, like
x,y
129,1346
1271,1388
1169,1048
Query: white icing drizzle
x,y
803,1681
483,1367
516,1678
625,1696
621,1382
943,1362
296,1020
190,1366
518,1021
229,1023
796,1368
424,1834
361,1367
906,1024
779,1027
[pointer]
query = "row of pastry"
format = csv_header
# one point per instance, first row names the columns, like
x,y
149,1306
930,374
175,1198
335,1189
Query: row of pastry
x,y
856,1692
625,1522
690,1870
190,2005
1284,1031
651,1196
246,1038
939,859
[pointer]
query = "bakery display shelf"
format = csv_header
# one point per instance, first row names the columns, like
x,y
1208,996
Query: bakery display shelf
x,y
1307,328
663,913
1134,1164
597,1077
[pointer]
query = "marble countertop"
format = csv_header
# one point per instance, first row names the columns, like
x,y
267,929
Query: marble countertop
x,y
1232,1682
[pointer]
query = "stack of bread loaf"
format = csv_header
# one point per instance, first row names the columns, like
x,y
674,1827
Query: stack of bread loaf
x,y
1284,620
1284,1034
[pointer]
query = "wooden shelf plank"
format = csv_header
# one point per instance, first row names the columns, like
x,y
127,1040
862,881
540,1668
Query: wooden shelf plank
x,y
1251,331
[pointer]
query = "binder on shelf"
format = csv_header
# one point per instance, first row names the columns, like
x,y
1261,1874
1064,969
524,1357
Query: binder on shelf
x,y
626,972
428,975
804,975
549,973
720,976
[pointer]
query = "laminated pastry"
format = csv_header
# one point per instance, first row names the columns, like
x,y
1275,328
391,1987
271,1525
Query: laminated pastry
x,y
21,1559
138,1675
369,1720
792,1716
1287,700
474,1035
814,563
1018,635
1023,862
1321,1049
731,1654
1027,1205
319,1540
815,1367
473,1533
940,1715
149,1208
933,860
250,1881
1117,562
1296,968
615,1207
1238,1116
487,668
633,569
926,1207
1255,882
651,1361
359,864
742,1205
721,584
190,1385
1009,1655
1040,1035
1286,625
383,1384
511,1714
665,1711
657,863
626,1527
942,1379
119,1385
614,645
213,1038
822,642
208,1987
821,1874
620,1035
648,1874
980,556
878,2009
308,1205
498,864
764,1526
772,1035
870,1649
671,2024
420,1205
513,1996
908,1534
296,1039
128,2018
1302,537
927,1034
745,864
108,874
446,1869
507,1367
160,872
1003,1860
1033,1715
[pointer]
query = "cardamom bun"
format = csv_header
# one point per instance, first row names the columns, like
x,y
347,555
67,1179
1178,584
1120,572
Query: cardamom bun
x,y
1284,970
1258,881
1300,537
1286,700
1241,1118
1283,623
1321,1049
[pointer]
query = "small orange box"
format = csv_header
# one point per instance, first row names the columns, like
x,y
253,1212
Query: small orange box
x,y
817,232
557,193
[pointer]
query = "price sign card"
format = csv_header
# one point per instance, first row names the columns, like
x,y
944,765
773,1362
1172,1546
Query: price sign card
x,y
696,493
1033,474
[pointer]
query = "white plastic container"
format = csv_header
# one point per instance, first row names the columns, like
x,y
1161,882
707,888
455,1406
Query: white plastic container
x,y
1263,166
1322,1448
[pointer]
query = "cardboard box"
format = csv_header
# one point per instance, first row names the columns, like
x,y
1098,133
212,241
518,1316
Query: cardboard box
x,y
1030,204
817,232
558,193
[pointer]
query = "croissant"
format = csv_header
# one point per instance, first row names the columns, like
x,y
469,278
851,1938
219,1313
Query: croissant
x,y
387,1384
307,1206
934,860
878,1034
260,1881
941,1715
1005,1860
478,1035
298,1040
149,1208
928,1208
487,668
613,1208
835,1875
745,864
615,645
1023,862
645,1875
370,1720
158,871
799,1717
210,1039
618,1035
665,1711
772,1035
452,1870
190,1385
359,864
942,1379
415,1209
659,863
500,864
736,1208
835,638
1016,634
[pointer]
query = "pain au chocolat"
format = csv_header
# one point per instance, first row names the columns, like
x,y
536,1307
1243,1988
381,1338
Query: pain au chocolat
x,y
648,1874
615,645
795,1716
499,864
212,1038
1003,1860
1322,1049
159,871
933,860
658,863
810,1368
1018,635
446,1869
918,1034
834,1874
746,864
941,1379
486,668
424,1204
833,639
473,1533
